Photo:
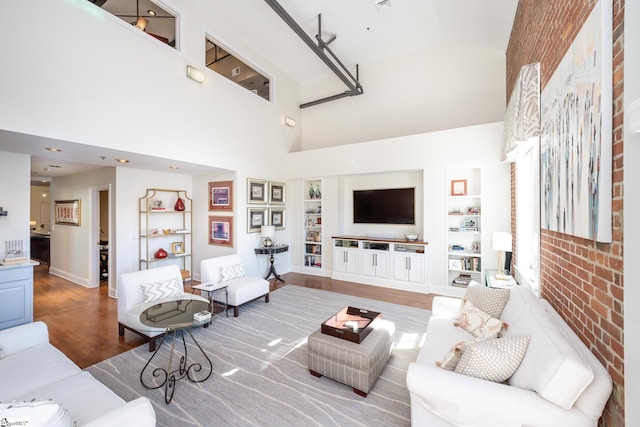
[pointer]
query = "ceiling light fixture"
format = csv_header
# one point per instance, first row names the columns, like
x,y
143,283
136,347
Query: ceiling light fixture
x,y
289,121
122,160
151,12
382,5
54,166
175,168
195,74
55,150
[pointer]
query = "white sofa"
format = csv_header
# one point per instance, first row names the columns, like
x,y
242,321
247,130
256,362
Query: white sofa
x,y
131,298
240,288
558,383
34,371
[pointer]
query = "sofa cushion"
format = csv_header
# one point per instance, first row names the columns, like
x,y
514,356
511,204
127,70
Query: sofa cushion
x,y
32,368
551,367
441,335
84,397
490,300
229,272
494,359
34,413
480,324
159,290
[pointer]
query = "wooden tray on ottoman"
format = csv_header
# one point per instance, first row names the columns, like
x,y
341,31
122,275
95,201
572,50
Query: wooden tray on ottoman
x,y
351,324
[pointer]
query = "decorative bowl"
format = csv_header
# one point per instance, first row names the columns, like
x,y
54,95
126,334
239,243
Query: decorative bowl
x,y
411,237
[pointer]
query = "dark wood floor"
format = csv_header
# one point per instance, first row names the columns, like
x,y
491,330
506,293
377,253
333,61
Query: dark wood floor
x,y
83,322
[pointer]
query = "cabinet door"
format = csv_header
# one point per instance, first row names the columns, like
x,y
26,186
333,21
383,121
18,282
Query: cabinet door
x,y
400,267
352,261
340,260
416,268
383,265
368,263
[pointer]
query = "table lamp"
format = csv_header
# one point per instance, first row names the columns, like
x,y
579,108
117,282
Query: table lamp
x,y
267,232
501,242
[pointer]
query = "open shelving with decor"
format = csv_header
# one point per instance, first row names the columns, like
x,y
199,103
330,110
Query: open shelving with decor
x,y
312,225
165,230
464,227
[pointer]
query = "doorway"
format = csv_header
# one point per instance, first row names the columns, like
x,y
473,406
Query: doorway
x,y
100,241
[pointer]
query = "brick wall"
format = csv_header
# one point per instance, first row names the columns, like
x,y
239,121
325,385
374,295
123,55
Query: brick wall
x,y
582,279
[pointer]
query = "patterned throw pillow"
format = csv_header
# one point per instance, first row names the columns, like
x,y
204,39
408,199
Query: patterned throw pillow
x,y
159,290
489,300
229,272
452,358
479,323
493,360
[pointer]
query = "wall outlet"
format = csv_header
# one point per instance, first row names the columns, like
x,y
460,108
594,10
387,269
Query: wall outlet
x,y
235,71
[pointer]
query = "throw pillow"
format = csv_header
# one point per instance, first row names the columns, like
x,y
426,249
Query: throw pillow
x,y
452,358
490,300
478,323
493,360
164,289
34,413
230,272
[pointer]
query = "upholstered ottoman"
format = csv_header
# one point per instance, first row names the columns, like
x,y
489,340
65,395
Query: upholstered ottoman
x,y
356,365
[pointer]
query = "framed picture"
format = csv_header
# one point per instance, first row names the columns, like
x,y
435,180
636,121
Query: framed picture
x,y
277,218
455,264
221,230
256,218
177,248
221,196
68,212
277,192
458,187
256,191
469,223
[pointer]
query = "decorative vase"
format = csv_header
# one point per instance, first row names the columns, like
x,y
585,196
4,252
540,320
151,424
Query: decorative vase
x,y
161,253
318,194
179,206
312,193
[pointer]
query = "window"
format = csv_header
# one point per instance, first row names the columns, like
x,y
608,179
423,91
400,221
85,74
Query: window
x,y
528,215
147,16
225,63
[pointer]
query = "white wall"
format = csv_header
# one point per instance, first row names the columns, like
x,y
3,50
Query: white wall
x,y
424,91
72,246
84,76
40,207
15,174
631,227
432,153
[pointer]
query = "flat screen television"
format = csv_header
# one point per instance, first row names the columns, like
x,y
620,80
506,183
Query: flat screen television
x,y
384,206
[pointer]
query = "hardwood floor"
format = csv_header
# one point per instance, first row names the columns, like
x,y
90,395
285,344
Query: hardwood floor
x,y
83,322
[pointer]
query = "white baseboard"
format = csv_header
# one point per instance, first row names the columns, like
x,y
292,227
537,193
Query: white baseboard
x,y
82,281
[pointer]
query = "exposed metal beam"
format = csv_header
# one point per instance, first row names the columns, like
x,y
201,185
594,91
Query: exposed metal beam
x,y
355,88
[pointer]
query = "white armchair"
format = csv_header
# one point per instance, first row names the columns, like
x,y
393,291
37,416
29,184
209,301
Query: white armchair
x,y
131,298
229,269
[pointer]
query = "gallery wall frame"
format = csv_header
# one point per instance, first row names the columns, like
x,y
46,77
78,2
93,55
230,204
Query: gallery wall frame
x,y
68,212
221,196
256,191
277,193
221,230
256,218
277,218
458,187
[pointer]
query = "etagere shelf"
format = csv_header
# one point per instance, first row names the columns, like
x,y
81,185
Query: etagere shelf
x,y
165,223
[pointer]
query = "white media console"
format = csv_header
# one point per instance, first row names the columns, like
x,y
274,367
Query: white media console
x,y
391,263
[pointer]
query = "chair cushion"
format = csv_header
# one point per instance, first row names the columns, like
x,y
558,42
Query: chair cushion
x,y
159,290
242,289
35,412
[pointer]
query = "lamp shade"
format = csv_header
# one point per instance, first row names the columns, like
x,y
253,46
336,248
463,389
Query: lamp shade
x,y
267,231
501,241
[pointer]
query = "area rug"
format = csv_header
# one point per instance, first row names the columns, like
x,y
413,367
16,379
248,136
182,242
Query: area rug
x,y
260,375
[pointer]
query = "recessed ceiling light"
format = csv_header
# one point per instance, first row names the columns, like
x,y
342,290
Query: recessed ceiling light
x,y
151,12
122,160
57,150
175,168
54,166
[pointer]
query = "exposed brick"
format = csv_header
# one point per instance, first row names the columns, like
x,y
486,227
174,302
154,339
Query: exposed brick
x,y
581,279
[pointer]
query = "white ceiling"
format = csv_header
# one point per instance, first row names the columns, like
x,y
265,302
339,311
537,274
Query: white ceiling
x,y
366,35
